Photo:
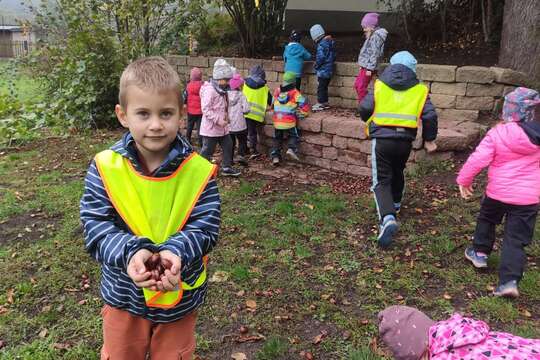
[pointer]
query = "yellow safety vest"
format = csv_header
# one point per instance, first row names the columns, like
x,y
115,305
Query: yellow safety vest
x,y
156,208
258,100
396,108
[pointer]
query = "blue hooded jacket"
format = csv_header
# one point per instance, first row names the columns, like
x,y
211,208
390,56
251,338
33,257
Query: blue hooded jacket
x,y
294,56
326,56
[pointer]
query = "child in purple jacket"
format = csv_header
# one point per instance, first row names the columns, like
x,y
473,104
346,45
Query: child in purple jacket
x,y
511,151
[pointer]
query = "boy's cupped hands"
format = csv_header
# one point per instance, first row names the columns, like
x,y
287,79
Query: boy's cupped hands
x,y
155,271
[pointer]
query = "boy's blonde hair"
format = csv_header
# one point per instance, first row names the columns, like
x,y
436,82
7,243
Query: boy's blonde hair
x,y
152,73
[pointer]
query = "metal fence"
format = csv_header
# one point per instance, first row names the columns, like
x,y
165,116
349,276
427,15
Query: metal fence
x,y
12,49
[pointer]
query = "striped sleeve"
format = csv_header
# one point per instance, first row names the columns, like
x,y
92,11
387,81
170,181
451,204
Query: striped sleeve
x,y
201,231
106,240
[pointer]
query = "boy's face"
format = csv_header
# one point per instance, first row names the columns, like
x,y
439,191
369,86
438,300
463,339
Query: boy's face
x,y
153,119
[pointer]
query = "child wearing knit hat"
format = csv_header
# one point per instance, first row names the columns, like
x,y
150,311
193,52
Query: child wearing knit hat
x,y
371,51
511,151
238,108
215,122
289,106
325,57
412,335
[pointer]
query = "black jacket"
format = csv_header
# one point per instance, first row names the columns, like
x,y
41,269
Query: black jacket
x,y
399,77
532,129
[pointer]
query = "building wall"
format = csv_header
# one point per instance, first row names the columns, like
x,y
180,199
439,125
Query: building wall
x,y
6,49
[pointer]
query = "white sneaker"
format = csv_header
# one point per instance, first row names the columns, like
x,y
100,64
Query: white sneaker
x,y
317,107
291,154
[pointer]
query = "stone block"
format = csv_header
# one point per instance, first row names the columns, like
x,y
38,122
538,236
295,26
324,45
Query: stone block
x,y
449,115
271,76
349,103
249,63
509,76
348,81
443,101
339,142
448,88
268,65
277,65
238,63
177,60
346,69
336,81
334,101
310,149
334,91
312,123
359,170
317,161
199,61
344,127
421,155
507,89
448,139
348,93
474,103
317,138
329,152
440,73
484,89
339,166
308,68
352,157
364,146
475,74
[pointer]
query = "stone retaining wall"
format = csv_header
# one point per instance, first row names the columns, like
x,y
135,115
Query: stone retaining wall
x,y
338,142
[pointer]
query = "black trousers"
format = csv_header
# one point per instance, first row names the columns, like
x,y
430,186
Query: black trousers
x,y
193,120
239,137
518,233
388,160
322,90
298,83
255,129
209,147
293,138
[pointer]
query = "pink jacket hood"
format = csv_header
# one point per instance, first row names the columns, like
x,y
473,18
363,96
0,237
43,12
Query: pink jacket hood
x,y
214,109
514,165
469,339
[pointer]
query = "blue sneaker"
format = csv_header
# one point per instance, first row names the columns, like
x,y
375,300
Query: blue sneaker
x,y
388,228
508,289
397,207
479,260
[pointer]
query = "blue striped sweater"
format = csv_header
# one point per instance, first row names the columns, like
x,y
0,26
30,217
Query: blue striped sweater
x,y
108,240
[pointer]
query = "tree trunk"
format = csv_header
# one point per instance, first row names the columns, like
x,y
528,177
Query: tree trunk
x,y
520,42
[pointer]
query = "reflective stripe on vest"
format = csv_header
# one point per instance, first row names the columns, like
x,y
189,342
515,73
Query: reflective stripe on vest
x,y
396,108
156,208
257,99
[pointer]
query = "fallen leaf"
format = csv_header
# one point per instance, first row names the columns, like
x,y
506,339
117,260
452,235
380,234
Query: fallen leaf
x,y
306,355
43,333
250,338
251,304
46,308
219,276
61,346
10,294
241,293
526,313
447,296
239,356
378,270
82,302
317,339
378,286
490,288
243,329
346,335
2,344
407,253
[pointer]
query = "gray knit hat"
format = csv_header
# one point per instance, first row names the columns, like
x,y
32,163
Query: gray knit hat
x,y
222,70
316,32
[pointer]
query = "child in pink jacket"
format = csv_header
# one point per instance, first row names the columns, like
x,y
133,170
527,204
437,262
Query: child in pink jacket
x,y
215,120
238,107
412,335
511,151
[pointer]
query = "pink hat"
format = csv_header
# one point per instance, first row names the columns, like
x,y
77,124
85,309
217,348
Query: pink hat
x,y
405,331
195,74
236,81
370,20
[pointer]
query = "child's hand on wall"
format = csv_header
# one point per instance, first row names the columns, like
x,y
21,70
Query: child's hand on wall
x,y
430,146
138,272
466,191
171,278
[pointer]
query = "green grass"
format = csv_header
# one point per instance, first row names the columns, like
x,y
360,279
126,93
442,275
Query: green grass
x,y
18,82
307,256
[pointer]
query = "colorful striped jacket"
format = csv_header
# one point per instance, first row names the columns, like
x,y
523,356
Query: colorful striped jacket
x,y
108,240
289,106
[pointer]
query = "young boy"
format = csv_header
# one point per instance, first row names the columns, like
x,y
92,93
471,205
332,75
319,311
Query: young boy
x,y
289,106
392,113
259,98
324,65
150,194
295,55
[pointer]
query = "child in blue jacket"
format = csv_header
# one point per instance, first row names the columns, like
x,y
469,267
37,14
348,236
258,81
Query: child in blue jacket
x,y
294,56
324,65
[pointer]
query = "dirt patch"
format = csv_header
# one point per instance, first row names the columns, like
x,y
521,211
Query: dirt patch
x,y
27,227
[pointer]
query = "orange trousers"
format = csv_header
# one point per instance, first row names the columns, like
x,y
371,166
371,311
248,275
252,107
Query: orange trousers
x,y
130,337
